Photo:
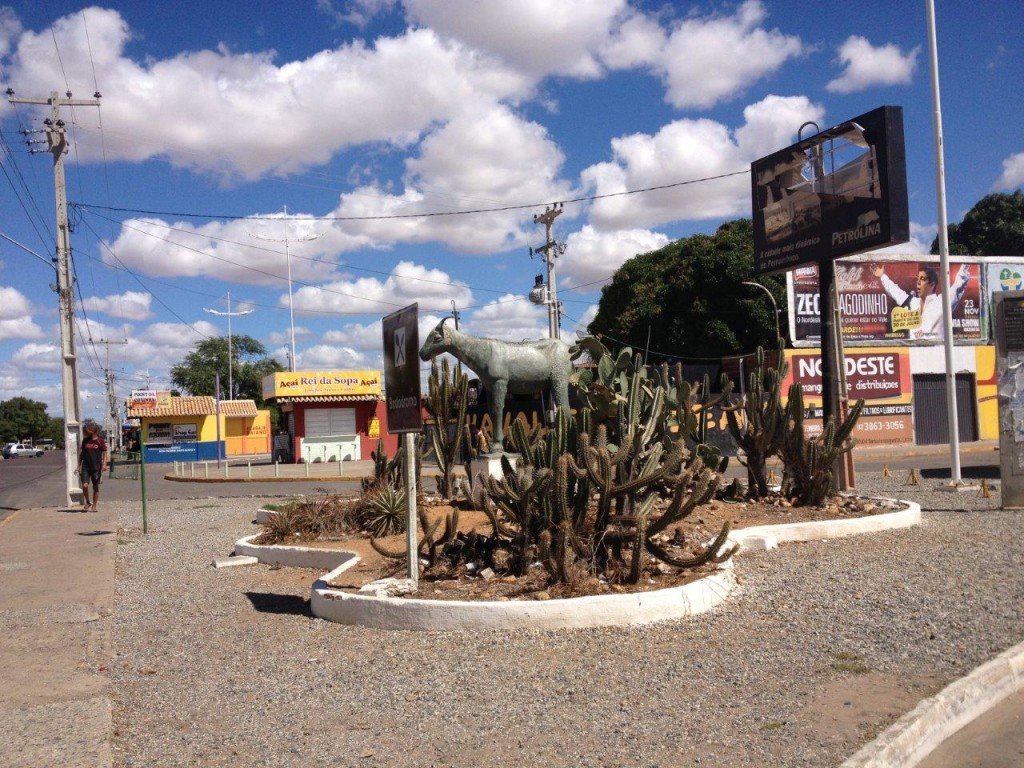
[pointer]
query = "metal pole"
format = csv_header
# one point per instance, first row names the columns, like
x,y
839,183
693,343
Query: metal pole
x,y
775,307
291,304
411,547
947,308
826,272
231,388
844,467
142,478
216,409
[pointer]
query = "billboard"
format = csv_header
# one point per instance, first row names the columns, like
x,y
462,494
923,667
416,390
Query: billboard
x,y
839,192
880,376
891,301
321,383
402,369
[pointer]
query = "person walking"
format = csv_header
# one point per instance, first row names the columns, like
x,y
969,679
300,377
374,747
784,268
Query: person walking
x,y
93,461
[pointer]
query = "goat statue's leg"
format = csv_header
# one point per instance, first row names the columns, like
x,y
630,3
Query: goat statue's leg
x,y
498,392
560,391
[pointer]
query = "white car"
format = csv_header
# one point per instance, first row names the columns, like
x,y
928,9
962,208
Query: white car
x,y
19,449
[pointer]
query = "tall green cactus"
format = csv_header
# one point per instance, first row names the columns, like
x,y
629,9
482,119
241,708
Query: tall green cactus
x,y
761,434
810,461
447,397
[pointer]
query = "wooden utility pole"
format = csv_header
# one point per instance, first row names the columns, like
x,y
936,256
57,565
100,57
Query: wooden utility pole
x,y
56,139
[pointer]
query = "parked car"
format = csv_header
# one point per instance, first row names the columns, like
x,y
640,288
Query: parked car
x,y
20,449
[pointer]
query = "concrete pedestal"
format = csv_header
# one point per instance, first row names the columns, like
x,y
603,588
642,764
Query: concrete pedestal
x,y
491,465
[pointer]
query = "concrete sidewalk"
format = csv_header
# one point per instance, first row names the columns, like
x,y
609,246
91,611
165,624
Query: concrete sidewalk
x,y
57,572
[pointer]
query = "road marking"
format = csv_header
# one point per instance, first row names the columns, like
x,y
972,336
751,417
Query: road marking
x,y
10,517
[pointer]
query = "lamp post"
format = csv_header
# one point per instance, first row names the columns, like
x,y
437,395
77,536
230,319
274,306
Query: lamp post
x,y
229,314
288,263
775,306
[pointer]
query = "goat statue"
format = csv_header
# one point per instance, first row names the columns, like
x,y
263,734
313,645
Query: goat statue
x,y
516,367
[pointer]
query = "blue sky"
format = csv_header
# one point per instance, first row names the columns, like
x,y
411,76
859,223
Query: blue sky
x,y
375,108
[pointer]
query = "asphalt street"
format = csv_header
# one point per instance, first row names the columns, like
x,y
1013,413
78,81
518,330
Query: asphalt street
x,y
39,482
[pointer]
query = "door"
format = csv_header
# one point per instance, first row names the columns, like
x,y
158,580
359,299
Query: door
x,y
330,435
931,425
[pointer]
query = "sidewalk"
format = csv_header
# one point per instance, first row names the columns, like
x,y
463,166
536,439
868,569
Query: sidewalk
x,y
55,643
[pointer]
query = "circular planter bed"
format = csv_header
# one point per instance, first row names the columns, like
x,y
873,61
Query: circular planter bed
x,y
365,599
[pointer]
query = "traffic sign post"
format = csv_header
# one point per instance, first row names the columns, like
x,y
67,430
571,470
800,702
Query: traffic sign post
x,y
402,402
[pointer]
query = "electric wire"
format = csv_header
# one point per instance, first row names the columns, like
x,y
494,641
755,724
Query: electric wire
x,y
429,214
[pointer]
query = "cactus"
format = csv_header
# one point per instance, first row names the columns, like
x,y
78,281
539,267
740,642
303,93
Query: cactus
x,y
761,434
809,461
429,546
446,402
385,471
687,406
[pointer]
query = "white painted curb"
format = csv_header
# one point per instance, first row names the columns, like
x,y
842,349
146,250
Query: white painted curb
x,y
297,557
263,515
572,613
579,612
770,536
915,735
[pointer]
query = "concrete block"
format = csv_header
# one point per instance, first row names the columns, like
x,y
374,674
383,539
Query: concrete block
x,y
230,562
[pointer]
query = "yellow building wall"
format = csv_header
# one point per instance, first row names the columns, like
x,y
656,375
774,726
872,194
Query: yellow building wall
x,y
988,404
245,436
206,426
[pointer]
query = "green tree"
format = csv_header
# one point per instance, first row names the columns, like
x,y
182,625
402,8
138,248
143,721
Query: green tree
x,y
690,296
24,418
993,227
196,373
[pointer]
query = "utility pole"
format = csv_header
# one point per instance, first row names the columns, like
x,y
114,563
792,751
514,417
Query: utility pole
x,y
230,314
113,411
455,315
56,139
288,262
551,251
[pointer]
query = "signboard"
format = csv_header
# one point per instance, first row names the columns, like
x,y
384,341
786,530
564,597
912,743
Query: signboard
x,y
880,376
159,434
142,398
185,433
891,301
1009,331
402,369
323,383
839,192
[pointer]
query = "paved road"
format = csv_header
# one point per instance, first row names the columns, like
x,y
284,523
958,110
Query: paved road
x,y
39,482
31,482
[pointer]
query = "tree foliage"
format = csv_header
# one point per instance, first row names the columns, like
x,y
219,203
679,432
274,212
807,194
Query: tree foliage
x,y
21,418
993,227
690,296
196,373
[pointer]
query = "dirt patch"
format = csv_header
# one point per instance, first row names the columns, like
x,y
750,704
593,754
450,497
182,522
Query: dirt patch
x,y
467,583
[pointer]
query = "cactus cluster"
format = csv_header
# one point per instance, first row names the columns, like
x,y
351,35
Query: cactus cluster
x,y
810,460
447,397
761,434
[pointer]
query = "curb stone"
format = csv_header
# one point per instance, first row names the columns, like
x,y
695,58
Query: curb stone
x,y
914,736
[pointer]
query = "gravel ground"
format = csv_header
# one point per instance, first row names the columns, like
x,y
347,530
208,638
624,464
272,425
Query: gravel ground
x,y
820,648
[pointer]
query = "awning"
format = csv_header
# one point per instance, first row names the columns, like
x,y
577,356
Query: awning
x,y
331,399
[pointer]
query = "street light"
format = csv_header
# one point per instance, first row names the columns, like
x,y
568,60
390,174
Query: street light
x,y
775,307
229,314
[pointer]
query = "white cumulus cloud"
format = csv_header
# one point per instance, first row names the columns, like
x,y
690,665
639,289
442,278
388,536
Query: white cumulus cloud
x,y
691,149
1013,173
13,303
709,59
19,328
511,317
280,116
407,283
540,37
592,256
130,305
867,65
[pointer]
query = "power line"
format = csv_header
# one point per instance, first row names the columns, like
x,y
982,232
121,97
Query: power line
x,y
431,214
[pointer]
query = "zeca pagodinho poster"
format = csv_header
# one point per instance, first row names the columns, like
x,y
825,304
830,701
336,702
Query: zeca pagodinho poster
x,y
891,301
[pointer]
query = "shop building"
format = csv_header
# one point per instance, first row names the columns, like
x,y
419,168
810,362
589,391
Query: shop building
x,y
197,429
330,415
